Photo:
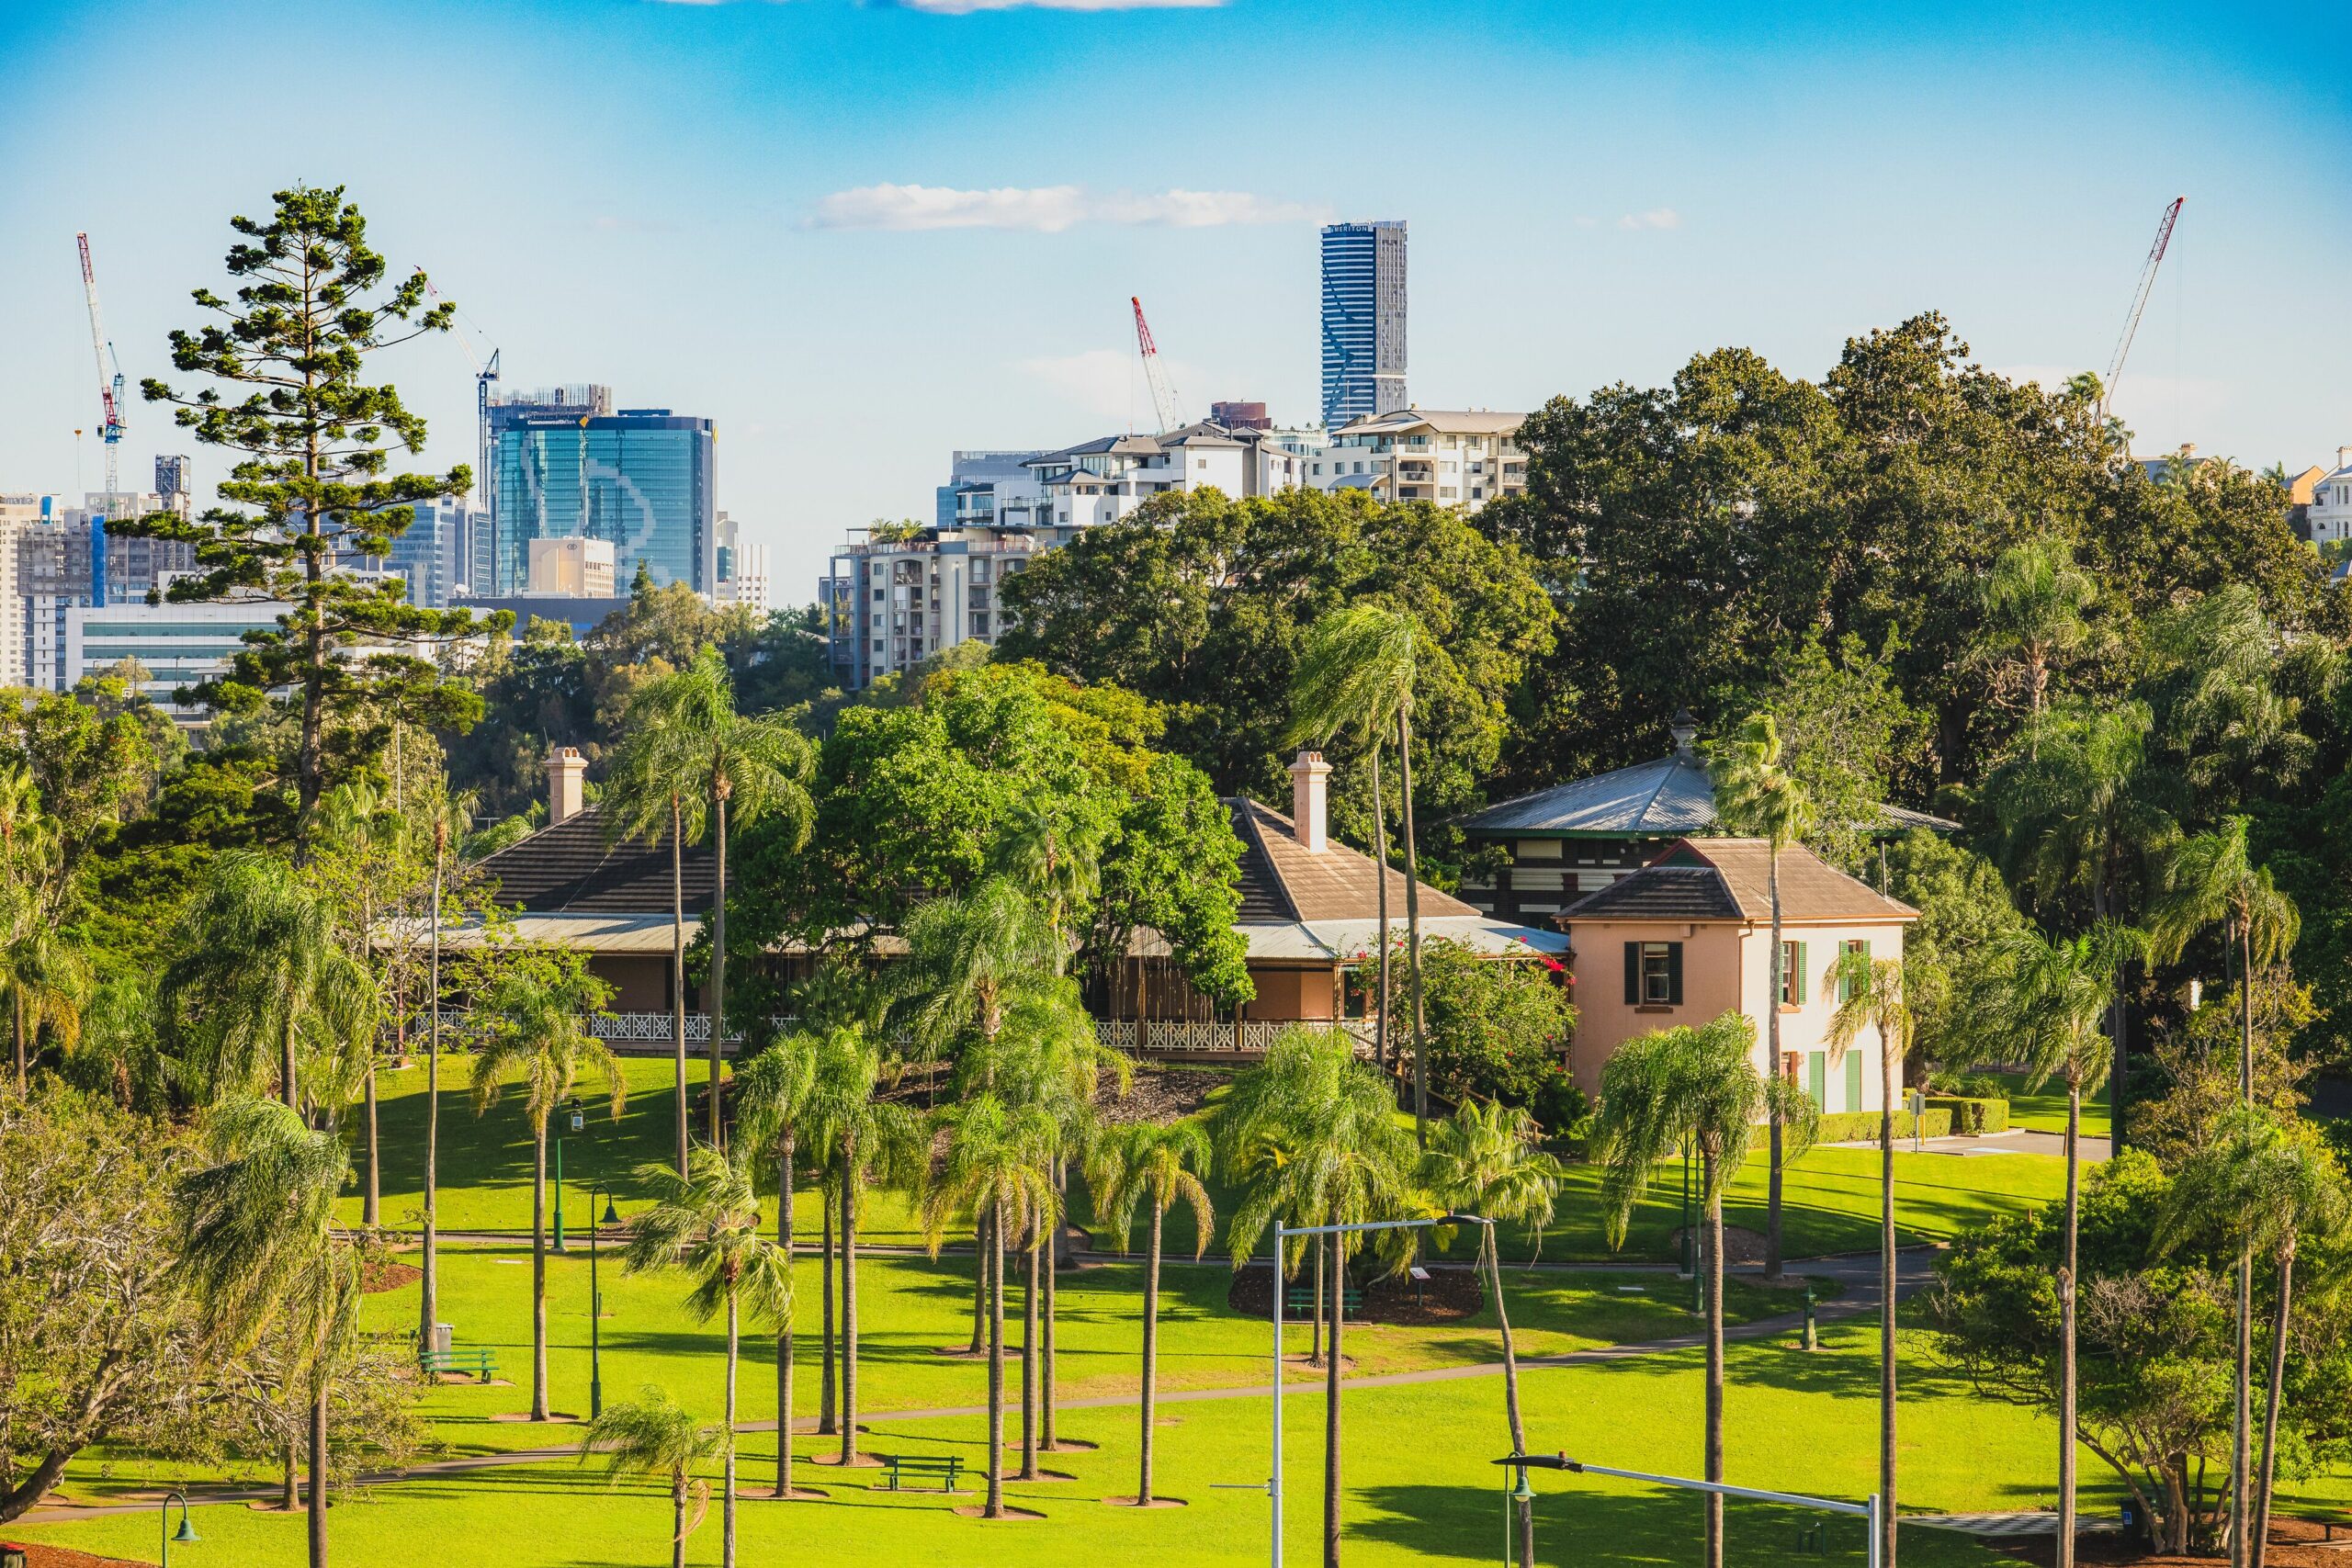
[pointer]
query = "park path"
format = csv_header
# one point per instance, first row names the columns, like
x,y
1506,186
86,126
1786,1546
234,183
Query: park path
x,y
1856,1273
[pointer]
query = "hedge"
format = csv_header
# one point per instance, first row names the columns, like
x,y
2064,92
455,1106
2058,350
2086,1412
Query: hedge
x,y
1973,1117
1860,1126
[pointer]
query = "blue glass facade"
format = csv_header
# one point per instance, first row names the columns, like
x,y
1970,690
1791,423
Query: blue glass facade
x,y
1364,320
643,478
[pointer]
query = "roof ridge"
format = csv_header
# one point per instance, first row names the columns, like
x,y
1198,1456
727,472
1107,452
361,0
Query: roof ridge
x,y
1258,836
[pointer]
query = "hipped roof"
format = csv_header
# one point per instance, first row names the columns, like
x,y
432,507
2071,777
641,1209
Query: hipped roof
x,y
1730,879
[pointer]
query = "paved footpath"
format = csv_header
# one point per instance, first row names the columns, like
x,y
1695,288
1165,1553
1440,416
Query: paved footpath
x,y
1856,1272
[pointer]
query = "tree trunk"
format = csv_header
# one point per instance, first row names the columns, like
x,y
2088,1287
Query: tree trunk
x,y
2259,1538
727,1451
317,1522
1315,1332
850,1182
1775,1137
1413,935
1029,1362
719,976
678,966
371,1202
539,1272
995,1507
2066,1423
1331,1406
1151,1352
429,1302
1888,1070
678,1522
289,1087
1046,1436
1524,1508
17,1020
826,1400
783,1359
1715,1439
2242,1420
980,1286
1380,858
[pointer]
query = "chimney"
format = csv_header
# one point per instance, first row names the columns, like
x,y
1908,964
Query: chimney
x,y
1685,729
2344,456
1306,791
566,767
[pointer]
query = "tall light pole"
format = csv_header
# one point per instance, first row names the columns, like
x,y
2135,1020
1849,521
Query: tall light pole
x,y
185,1533
579,1118
596,1301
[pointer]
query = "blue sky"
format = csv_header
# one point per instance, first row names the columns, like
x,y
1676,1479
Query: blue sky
x,y
860,235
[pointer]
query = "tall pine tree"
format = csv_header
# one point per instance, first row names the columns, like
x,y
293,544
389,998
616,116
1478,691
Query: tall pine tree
x,y
311,497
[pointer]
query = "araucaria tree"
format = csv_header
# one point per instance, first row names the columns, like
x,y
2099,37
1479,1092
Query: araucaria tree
x,y
1754,793
311,488
1698,1085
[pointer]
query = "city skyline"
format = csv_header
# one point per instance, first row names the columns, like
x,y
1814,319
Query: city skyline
x,y
823,249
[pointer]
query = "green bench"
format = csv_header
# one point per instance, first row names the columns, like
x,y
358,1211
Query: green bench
x,y
1300,1299
480,1361
949,1470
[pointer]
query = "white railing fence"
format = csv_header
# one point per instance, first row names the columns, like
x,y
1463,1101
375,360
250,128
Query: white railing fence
x,y
1135,1036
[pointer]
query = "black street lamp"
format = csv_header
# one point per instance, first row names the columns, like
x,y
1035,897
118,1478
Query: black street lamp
x,y
185,1533
596,1301
571,1111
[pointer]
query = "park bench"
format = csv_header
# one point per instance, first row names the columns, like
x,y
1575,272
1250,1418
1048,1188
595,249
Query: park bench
x,y
2328,1519
949,1470
479,1360
1300,1299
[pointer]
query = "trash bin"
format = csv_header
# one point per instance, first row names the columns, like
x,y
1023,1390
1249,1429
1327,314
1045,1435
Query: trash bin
x,y
444,1337
12,1556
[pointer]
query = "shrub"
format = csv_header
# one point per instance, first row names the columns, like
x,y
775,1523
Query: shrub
x,y
1858,1126
1972,1116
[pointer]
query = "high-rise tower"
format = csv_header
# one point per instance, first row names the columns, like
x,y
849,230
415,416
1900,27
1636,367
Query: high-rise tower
x,y
1364,320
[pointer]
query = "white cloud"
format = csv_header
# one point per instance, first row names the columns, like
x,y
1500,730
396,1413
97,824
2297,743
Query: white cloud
x,y
1108,383
1656,217
1046,208
966,8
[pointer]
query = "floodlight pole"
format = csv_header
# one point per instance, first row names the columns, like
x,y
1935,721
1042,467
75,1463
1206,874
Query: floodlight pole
x,y
1282,1234
1869,1508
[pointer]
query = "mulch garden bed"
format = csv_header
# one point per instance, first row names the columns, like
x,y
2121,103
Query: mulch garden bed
x,y
1449,1295
1740,1244
2294,1543
59,1557
1160,1093
385,1275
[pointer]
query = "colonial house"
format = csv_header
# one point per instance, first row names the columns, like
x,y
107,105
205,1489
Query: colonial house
x,y
1559,844
1689,936
1310,909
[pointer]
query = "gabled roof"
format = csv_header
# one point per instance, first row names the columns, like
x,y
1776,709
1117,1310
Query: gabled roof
x,y
572,868
1665,798
1445,421
1282,881
1730,879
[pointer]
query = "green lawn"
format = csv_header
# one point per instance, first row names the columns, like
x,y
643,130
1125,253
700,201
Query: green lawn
x,y
2045,1111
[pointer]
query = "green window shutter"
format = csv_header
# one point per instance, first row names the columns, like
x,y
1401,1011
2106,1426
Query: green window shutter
x,y
1796,986
1633,973
1674,973
1854,1081
1817,1078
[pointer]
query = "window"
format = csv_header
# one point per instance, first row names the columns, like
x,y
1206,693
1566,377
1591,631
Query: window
x,y
979,623
879,595
1792,973
1654,974
1845,985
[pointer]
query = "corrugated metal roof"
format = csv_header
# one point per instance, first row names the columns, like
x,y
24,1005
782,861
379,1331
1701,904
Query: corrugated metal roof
x,y
1666,798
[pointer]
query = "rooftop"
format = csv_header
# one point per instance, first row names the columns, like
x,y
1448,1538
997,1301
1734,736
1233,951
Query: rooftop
x,y
1730,879
1282,880
573,868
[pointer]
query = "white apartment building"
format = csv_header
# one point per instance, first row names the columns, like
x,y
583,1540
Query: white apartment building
x,y
893,603
1455,457
2330,508
19,514
742,568
178,645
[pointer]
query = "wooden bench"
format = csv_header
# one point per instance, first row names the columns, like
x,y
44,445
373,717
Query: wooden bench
x,y
2327,1518
949,1470
1300,1300
480,1361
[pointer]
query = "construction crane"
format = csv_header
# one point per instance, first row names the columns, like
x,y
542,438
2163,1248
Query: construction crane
x,y
109,369
485,378
1163,396
2139,303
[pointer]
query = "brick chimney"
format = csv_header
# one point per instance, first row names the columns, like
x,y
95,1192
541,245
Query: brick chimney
x,y
566,768
1306,801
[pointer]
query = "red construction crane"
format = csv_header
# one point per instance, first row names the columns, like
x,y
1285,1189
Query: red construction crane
x,y
1163,396
2139,302
110,369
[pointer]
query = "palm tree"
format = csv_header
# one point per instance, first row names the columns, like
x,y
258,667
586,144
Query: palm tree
x,y
2033,600
263,1252
2265,1189
46,980
534,1017
1870,994
863,1138
999,1160
1755,794
1310,1131
709,1223
1488,1159
2048,995
1355,672
1700,1086
259,973
449,814
771,1093
654,1436
1159,1166
356,818
687,751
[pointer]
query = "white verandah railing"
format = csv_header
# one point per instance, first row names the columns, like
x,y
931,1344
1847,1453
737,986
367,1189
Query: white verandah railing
x,y
1135,1036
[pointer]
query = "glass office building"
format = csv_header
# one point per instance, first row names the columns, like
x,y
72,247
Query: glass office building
x,y
642,479
1363,320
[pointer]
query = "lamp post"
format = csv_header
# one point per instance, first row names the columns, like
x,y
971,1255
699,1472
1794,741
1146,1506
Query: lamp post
x,y
185,1533
579,1118
596,1302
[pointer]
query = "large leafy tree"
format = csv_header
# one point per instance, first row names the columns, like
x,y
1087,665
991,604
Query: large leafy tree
x,y
285,365
1700,1086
